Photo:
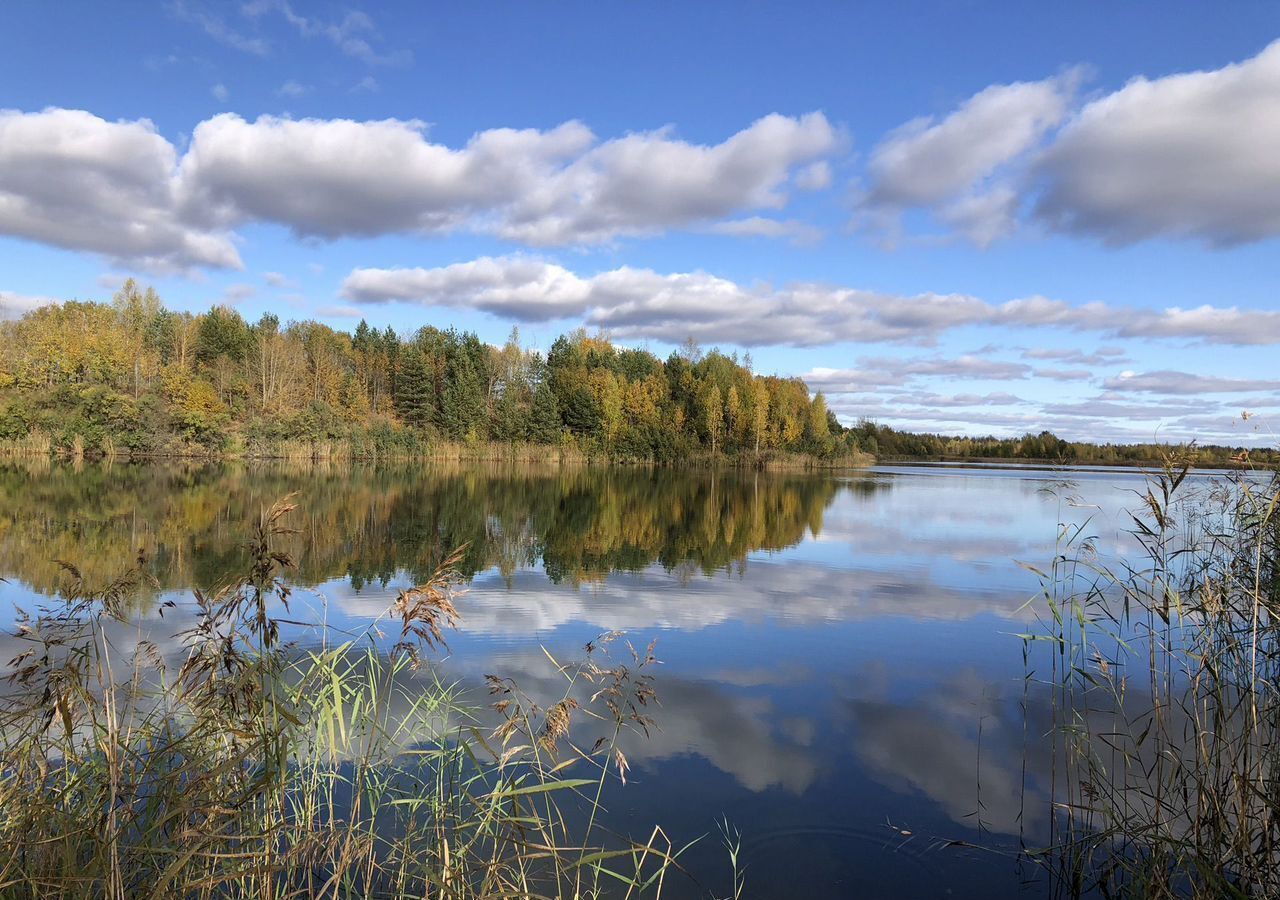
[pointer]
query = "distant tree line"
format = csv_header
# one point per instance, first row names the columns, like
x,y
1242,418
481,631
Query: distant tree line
x,y
133,376
888,443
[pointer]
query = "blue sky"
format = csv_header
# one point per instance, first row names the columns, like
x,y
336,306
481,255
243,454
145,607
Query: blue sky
x,y
960,217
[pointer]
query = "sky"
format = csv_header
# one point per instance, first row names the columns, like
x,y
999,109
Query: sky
x,y
971,218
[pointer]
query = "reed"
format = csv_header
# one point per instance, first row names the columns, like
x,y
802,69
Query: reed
x,y
37,443
1165,679
238,764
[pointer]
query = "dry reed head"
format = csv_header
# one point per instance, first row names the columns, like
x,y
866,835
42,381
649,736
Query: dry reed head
x,y
425,610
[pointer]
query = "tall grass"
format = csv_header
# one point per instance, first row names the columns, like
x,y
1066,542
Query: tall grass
x,y
1165,678
238,764
37,443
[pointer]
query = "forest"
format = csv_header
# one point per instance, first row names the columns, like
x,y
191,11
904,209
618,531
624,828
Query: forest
x,y
133,377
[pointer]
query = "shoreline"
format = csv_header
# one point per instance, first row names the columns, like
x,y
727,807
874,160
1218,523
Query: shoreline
x,y
549,454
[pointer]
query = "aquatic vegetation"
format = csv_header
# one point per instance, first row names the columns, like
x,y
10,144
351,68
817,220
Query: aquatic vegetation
x,y
1166,696
233,763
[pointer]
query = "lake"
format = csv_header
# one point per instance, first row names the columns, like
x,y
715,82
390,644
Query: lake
x,y
841,681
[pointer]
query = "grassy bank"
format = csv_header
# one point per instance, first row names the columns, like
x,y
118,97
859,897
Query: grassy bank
x,y
226,762
406,446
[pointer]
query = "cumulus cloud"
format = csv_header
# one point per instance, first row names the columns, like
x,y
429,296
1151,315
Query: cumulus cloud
x,y
1171,382
73,180
1213,324
643,304
330,178
645,182
523,289
947,166
336,177
1185,156
1190,155
815,176
15,306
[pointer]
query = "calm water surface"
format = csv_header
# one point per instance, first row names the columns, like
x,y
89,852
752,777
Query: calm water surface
x,y
841,679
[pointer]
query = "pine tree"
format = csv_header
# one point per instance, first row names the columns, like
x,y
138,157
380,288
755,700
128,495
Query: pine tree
x,y
544,420
413,394
510,418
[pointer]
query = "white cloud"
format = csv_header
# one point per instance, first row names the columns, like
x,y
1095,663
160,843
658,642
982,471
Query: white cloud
x,y
992,398
643,304
15,306
524,289
217,28
1063,374
73,180
1101,356
279,280
948,166
292,88
1184,156
331,178
966,366
883,372
220,92
645,182
1190,155
1213,324
339,312
352,35
1099,407
759,226
1171,382
815,176
236,293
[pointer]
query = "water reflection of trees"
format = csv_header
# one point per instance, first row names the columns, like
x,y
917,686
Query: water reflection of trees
x,y
369,523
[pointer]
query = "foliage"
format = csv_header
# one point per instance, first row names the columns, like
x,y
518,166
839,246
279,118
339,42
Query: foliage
x,y
149,380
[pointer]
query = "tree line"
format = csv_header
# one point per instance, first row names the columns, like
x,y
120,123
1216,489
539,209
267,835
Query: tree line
x,y
133,376
889,443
